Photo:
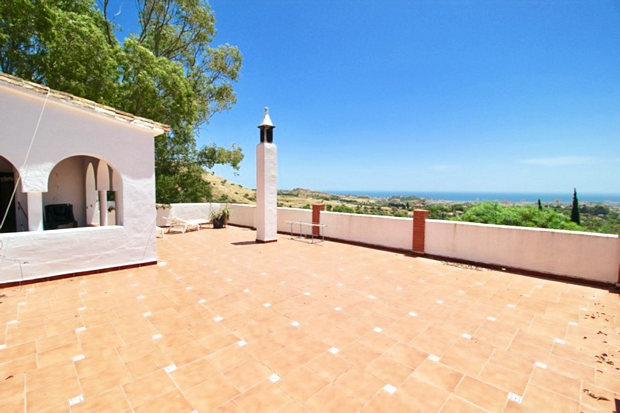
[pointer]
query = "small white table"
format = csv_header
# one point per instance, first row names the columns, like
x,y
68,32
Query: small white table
x,y
311,225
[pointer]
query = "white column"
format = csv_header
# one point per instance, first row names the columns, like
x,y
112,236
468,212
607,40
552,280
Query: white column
x,y
117,187
103,186
90,190
103,208
266,192
35,211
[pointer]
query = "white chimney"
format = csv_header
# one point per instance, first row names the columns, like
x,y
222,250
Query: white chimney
x,y
266,183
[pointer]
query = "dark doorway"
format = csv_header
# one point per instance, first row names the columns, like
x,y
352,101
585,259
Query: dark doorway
x,y
7,184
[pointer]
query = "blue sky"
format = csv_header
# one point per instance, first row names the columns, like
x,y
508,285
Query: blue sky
x,y
427,95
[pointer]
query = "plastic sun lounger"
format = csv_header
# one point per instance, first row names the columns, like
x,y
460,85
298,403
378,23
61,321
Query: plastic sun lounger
x,y
184,224
159,232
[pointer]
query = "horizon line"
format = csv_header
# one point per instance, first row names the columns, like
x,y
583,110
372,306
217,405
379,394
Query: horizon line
x,y
459,191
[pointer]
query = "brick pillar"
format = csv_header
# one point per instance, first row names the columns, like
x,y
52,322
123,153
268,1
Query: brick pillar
x,y
419,225
316,217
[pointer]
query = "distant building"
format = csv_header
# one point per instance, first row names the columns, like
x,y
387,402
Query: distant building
x,y
77,184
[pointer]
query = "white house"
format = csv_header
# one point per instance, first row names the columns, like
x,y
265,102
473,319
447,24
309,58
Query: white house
x,y
61,154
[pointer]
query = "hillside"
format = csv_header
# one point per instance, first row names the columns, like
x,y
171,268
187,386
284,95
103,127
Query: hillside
x,y
595,217
223,190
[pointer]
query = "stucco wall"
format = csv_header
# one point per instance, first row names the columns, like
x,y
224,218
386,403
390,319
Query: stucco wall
x,y
391,232
240,214
203,211
66,130
66,186
244,215
21,199
31,255
185,211
293,214
567,253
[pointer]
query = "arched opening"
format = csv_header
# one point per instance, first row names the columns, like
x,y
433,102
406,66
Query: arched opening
x,y
13,206
83,191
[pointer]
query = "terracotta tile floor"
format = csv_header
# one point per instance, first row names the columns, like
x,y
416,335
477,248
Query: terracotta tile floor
x,y
224,324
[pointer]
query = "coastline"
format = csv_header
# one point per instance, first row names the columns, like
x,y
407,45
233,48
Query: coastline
x,y
523,198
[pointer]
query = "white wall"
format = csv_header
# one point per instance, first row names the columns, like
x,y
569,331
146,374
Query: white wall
x,y
21,199
245,215
191,211
162,212
67,130
31,255
391,232
66,186
293,214
568,253
185,211
242,214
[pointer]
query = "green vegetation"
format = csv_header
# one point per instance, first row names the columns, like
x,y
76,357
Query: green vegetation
x,y
594,218
344,208
574,213
602,218
522,216
444,210
166,71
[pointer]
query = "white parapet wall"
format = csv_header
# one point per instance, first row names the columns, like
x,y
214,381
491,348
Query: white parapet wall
x,y
293,214
243,215
390,232
30,255
582,255
187,211
240,214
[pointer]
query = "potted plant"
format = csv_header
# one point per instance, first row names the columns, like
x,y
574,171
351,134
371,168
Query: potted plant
x,y
219,217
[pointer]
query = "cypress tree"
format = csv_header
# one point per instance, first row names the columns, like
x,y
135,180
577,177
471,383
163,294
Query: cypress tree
x,y
574,214
539,205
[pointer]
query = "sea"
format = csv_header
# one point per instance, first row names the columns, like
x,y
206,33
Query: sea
x,y
512,197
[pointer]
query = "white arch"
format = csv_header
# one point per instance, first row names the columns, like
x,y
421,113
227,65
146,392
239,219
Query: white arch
x,y
84,180
36,177
103,176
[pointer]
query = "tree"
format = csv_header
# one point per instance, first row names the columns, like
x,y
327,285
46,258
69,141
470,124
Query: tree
x,y
540,207
167,71
574,214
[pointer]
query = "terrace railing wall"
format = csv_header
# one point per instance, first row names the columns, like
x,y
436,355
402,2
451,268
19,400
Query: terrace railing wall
x,y
580,255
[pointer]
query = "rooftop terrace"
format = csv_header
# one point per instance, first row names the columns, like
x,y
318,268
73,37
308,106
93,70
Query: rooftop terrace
x,y
224,323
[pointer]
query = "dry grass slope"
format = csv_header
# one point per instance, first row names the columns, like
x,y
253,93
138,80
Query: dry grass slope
x,y
224,190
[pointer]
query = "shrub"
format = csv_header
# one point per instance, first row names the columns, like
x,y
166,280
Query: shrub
x,y
521,216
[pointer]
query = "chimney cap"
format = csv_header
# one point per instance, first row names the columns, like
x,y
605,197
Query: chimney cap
x,y
266,123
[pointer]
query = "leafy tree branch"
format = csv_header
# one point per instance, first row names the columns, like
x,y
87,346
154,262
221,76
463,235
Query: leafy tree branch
x,y
167,71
